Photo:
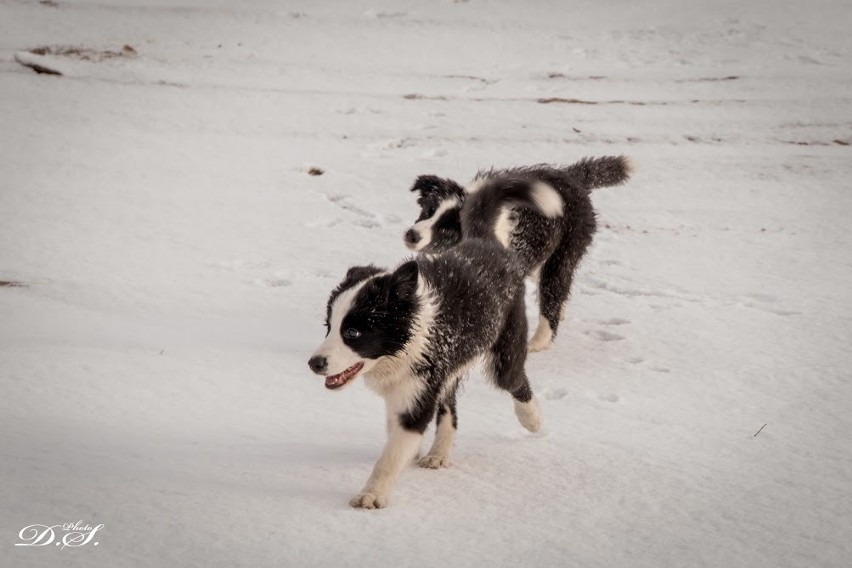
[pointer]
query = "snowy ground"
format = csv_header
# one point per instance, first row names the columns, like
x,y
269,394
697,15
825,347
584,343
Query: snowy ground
x,y
177,259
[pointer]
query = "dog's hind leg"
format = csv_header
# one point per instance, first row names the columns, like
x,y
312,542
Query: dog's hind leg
x,y
554,286
506,366
446,425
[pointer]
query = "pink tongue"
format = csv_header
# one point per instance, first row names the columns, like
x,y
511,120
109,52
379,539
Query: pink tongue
x,y
341,378
333,380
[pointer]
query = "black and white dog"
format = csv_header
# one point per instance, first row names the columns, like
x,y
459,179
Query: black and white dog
x,y
413,331
549,246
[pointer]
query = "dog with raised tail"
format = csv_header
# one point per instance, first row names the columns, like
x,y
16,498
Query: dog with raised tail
x,y
550,240
412,333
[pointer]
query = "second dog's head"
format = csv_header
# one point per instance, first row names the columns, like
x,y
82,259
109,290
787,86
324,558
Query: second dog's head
x,y
439,225
370,317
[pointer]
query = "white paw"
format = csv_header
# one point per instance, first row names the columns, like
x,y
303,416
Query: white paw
x,y
529,414
434,462
369,501
535,346
542,338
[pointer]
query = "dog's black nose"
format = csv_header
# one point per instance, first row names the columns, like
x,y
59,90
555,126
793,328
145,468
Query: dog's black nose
x,y
412,237
318,364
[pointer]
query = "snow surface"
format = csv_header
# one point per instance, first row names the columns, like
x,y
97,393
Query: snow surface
x,y
177,259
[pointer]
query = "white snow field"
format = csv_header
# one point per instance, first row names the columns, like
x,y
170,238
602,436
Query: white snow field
x,y
173,259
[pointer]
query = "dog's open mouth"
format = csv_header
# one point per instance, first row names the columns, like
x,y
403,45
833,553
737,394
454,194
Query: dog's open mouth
x,y
340,379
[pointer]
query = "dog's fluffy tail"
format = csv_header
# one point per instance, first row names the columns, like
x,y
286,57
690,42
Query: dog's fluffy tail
x,y
592,173
587,174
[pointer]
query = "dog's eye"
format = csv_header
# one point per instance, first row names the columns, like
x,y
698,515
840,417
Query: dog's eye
x,y
351,333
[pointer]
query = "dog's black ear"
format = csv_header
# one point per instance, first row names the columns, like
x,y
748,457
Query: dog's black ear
x,y
427,184
403,281
354,275
359,273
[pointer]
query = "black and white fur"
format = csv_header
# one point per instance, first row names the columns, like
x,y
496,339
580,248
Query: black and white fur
x,y
413,331
549,246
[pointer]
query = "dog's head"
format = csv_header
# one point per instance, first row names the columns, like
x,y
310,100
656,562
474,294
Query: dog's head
x,y
439,225
369,317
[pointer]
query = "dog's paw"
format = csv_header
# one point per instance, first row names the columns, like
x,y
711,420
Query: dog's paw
x,y
434,462
529,414
369,501
536,346
542,338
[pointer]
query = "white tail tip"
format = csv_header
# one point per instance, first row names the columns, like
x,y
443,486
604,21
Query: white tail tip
x,y
547,199
629,165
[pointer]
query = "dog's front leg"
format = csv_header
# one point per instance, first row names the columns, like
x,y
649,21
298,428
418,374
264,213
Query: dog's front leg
x,y
400,449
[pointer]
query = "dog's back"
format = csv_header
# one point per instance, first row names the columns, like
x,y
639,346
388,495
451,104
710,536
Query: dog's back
x,y
474,283
534,234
